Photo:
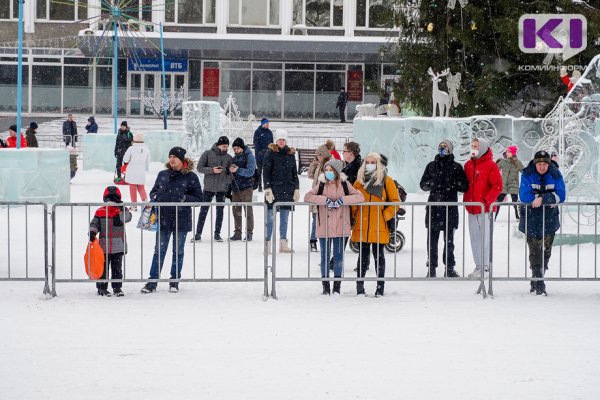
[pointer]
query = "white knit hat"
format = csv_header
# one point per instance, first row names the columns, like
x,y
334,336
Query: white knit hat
x,y
281,134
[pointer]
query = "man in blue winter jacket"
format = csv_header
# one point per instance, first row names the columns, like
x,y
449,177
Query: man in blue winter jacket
x,y
263,137
542,186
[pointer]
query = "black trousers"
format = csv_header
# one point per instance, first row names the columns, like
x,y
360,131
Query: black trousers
x,y
114,262
207,198
540,251
433,236
342,111
258,176
513,197
364,261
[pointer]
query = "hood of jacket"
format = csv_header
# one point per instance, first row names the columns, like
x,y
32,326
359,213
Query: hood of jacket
x,y
274,148
188,166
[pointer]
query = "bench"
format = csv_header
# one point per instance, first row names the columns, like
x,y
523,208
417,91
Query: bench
x,y
305,157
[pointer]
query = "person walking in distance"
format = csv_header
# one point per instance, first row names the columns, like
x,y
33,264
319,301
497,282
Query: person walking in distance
x,y
242,170
510,168
280,178
214,164
137,159
341,104
485,184
69,131
542,187
176,184
263,137
122,143
443,178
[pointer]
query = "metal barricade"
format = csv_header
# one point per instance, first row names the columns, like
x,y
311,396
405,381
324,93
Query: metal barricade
x,y
58,142
24,229
578,229
286,270
205,261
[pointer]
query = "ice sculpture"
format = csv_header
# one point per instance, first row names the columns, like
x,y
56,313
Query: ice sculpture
x,y
202,124
35,175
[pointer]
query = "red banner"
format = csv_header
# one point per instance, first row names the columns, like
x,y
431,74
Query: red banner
x,y
354,90
210,82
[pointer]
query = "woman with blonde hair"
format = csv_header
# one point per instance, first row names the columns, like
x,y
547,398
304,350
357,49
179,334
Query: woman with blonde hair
x,y
370,222
333,194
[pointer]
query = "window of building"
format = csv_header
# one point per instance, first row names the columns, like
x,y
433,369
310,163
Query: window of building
x,y
374,13
9,9
319,13
78,89
8,87
192,12
74,10
254,12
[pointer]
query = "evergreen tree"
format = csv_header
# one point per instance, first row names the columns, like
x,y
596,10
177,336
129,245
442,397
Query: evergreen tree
x,y
481,42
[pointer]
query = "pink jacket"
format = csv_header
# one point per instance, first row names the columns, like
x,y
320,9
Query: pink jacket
x,y
333,222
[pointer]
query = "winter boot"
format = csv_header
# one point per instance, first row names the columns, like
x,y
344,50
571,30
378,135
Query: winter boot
x,y
174,287
313,246
197,238
103,292
283,246
360,289
326,288
431,272
379,291
148,288
218,237
235,237
536,272
451,273
118,292
541,288
337,285
248,237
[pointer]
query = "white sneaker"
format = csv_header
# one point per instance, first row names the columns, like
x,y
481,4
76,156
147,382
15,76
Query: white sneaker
x,y
476,273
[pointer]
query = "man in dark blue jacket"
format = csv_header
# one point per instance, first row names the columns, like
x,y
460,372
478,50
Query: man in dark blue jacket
x,y
242,169
176,184
263,137
542,186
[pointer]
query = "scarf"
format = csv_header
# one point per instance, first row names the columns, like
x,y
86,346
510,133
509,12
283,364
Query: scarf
x,y
371,187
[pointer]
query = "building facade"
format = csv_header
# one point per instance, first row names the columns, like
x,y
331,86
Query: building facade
x,y
286,59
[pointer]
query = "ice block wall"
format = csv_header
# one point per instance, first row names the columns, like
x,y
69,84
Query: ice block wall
x,y
35,175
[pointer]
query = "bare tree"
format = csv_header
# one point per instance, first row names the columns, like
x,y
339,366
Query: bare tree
x,y
162,106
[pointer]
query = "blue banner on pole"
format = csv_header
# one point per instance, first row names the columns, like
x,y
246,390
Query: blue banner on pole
x,y
155,64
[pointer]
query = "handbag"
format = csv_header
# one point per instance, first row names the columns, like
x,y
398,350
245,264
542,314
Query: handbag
x,y
148,220
94,260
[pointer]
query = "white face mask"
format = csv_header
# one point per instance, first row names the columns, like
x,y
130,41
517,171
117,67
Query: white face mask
x,y
371,167
474,153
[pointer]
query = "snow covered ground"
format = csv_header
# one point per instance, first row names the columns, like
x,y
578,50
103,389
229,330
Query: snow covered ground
x,y
423,340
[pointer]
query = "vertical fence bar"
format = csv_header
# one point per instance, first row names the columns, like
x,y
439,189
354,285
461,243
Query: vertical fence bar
x,y
578,225
228,243
8,236
412,243
265,255
508,245
46,266
26,242
595,240
194,224
491,252
71,211
464,212
309,239
54,250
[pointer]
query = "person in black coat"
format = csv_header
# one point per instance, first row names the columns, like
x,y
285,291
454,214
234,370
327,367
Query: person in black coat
x,y
341,104
92,126
280,175
176,184
69,130
443,179
123,142
351,155
263,137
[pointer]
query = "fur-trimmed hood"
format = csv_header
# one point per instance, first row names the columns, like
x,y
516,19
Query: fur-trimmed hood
x,y
188,166
322,179
275,149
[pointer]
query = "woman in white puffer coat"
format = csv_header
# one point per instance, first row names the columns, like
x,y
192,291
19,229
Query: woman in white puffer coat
x,y
137,159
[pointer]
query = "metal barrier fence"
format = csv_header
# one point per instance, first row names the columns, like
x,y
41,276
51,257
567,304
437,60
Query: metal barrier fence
x,y
285,267
312,142
57,142
572,235
205,261
25,256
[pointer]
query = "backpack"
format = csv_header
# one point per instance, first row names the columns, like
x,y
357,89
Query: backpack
x,y
403,195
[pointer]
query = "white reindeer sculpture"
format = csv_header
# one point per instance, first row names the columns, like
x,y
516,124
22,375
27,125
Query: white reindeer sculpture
x,y
440,98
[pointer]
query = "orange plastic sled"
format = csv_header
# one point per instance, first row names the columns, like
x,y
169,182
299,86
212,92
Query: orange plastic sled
x,y
94,260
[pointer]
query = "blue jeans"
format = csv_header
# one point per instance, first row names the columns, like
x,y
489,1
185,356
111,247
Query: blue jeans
x,y
162,243
313,229
283,223
338,256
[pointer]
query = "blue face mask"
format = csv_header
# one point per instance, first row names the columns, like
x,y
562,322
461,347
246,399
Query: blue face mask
x,y
329,175
442,152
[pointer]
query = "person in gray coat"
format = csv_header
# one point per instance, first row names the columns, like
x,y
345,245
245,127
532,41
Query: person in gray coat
x,y
109,224
510,168
214,164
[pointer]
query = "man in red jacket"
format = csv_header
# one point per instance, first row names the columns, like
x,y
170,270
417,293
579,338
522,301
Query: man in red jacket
x,y
11,142
485,184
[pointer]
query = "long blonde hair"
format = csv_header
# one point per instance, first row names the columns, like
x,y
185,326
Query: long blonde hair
x,y
379,172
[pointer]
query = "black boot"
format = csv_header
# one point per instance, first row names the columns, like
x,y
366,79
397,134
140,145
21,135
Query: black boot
x,y
431,272
379,291
538,286
360,289
451,273
326,288
337,285
313,246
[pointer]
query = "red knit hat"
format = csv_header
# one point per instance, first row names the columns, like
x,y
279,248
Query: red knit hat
x,y
513,150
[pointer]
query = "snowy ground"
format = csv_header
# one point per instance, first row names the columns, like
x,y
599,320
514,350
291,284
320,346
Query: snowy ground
x,y
423,340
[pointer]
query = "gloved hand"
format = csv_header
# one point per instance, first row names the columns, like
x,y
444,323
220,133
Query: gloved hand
x,y
329,203
92,236
296,195
339,202
269,198
563,71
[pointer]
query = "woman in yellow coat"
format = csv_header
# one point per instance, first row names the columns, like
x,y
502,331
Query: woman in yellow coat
x,y
370,222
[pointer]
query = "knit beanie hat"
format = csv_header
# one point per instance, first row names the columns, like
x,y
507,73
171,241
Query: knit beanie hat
x,y
138,138
337,165
112,194
33,125
223,140
264,121
323,151
178,152
281,134
513,150
12,128
449,144
239,142
541,156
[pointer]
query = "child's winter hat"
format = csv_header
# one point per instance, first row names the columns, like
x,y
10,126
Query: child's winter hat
x,y
513,150
138,138
112,194
337,165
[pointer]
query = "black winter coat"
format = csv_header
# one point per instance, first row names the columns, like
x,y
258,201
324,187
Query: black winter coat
x,y
341,100
177,187
123,142
280,173
443,178
351,169
263,137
